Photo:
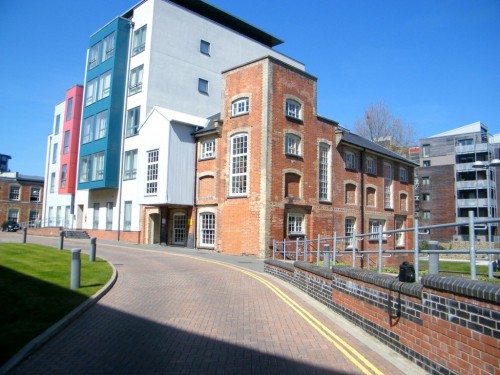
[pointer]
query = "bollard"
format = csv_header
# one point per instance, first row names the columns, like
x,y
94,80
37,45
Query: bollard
x,y
326,256
24,234
61,240
75,268
92,249
433,259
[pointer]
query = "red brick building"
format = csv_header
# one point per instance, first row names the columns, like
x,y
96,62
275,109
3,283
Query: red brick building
x,y
20,198
271,168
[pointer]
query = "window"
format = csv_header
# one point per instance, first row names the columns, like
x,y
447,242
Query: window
x,y
130,165
13,214
133,117
51,216
292,144
203,86
139,40
403,174
374,227
108,46
98,166
109,215
349,226
58,215
69,109
91,96
136,80
426,151
295,224
239,160
207,229
67,214
426,197
425,181
152,172
400,236
57,124
35,194
179,229
52,181
240,107
371,166
54,153
293,109
95,216
66,142
101,124
350,160
85,166
426,163
426,215
32,218
104,85
205,47
94,55
63,176
208,149
127,216
14,192
323,172
388,186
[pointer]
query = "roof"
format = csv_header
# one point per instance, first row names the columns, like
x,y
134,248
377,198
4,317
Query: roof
x,y
211,126
359,141
471,128
21,177
177,117
225,19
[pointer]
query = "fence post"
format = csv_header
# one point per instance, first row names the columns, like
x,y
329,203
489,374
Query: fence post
x,y
61,240
334,248
305,248
284,249
274,247
75,268
433,259
296,249
416,249
24,234
380,247
472,246
326,256
354,249
92,249
319,244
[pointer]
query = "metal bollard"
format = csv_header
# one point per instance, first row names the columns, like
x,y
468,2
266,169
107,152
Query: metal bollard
x,y
92,249
433,259
61,240
24,234
75,268
326,256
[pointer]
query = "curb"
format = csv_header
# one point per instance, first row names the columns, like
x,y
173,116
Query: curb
x,y
41,339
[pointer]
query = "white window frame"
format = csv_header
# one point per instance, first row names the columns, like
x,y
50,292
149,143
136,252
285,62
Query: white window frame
x,y
127,216
85,168
240,107
88,129
98,166
426,197
373,225
293,109
426,180
13,214
108,46
371,165
295,224
94,55
238,169
135,84
35,194
152,172
350,160
399,236
64,176
91,93
388,186
104,85
293,144
403,174
324,151
55,152
52,182
109,215
349,229
207,149
426,150
14,192
207,229
101,124
130,165
139,40
426,215
133,121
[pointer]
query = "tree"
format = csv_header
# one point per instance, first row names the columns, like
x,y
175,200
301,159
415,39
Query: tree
x,y
381,127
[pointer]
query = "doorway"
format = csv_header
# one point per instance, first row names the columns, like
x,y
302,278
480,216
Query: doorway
x,y
179,229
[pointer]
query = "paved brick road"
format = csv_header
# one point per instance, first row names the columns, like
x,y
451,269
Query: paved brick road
x,y
173,314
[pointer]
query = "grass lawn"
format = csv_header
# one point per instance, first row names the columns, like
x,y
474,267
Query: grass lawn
x,y
454,267
35,291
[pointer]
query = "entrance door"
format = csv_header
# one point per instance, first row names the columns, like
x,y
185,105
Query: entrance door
x,y
179,229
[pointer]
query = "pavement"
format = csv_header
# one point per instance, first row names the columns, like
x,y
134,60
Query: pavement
x,y
184,311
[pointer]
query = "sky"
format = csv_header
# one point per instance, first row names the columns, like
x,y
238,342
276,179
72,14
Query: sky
x,y
435,64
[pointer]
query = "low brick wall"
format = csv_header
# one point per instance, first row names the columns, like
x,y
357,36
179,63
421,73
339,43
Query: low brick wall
x,y
445,325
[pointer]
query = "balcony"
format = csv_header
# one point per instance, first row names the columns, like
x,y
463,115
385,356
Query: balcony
x,y
475,202
474,184
469,149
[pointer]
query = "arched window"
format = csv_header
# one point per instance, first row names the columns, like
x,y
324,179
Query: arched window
x,y
293,109
240,107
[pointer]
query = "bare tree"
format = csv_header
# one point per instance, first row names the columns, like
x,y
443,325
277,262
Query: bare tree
x,y
381,127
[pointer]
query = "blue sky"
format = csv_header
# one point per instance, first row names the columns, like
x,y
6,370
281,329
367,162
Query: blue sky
x,y
434,63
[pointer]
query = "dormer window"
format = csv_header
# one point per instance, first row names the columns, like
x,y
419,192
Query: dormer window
x,y
293,109
240,107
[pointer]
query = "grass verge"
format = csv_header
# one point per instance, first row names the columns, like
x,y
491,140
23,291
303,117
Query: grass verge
x,y
35,291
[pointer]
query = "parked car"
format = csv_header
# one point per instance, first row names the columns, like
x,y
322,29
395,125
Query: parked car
x,y
10,226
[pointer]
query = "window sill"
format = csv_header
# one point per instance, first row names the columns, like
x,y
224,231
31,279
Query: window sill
x,y
296,234
207,158
239,114
295,120
324,201
237,196
294,156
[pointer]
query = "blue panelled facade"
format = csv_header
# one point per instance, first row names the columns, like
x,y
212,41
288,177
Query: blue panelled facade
x,y
101,128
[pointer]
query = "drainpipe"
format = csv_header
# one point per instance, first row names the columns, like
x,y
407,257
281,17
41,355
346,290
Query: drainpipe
x,y
362,211
124,119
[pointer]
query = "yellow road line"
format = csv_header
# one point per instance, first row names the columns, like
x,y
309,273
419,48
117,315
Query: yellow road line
x,y
348,351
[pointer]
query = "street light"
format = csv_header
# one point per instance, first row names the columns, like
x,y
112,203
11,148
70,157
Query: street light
x,y
487,166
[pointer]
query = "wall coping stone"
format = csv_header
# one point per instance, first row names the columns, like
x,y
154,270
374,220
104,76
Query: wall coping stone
x,y
280,264
471,288
317,270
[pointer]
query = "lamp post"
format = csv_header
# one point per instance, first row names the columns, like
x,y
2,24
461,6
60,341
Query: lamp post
x,y
487,166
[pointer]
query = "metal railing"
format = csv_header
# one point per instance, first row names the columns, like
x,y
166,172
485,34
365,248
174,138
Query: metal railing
x,y
338,248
